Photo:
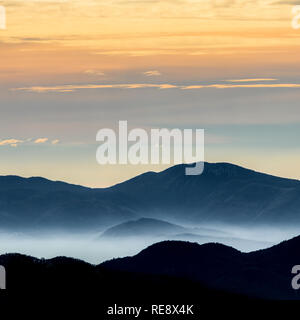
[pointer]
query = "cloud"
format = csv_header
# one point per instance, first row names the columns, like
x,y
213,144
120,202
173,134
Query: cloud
x,y
16,142
29,141
40,140
251,80
12,142
71,88
232,86
152,73
287,2
94,72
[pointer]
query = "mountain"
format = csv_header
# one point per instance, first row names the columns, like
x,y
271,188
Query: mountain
x,y
224,193
40,203
154,230
171,269
73,287
62,273
264,274
143,227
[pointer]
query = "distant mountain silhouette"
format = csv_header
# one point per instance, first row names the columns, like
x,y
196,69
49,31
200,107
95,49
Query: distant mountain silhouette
x,y
157,230
173,268
262,274
143,227
202,238
223,193
38,202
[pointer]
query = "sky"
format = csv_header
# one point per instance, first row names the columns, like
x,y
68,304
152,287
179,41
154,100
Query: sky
x,y
70,68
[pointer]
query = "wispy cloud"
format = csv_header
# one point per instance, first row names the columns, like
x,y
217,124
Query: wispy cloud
x,y
94,72
40,140
26,141
71,88
252,80
11,142
152,73
232,86
287,2
56,141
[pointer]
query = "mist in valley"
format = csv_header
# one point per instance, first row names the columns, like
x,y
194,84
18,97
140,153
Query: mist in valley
x,y
95,248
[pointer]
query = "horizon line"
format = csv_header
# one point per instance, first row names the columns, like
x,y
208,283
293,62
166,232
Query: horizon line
x,y
145,172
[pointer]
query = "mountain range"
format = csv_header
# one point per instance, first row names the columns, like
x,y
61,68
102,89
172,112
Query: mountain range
x,y
175,268
262,274
224,193
153,230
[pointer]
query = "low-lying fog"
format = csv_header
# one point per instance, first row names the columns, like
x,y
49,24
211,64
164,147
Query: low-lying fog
x,y
94,249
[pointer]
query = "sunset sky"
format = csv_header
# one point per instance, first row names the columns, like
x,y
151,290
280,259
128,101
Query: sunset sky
x,y
69,68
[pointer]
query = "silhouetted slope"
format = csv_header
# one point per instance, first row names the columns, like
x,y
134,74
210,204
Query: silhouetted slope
x,y
173,268
37,202
264,274
36,183
281,257
223,193
71,277
167,256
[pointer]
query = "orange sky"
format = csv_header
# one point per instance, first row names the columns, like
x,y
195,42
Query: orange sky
x,y
68,68
70,37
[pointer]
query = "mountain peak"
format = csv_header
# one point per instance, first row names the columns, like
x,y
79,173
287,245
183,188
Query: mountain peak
x,y
142,227
185,248
224,193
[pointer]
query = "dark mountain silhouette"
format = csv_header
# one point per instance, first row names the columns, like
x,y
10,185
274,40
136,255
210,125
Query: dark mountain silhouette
x,y
264,274
177,269
223,193
74,287
38,202
201,238
142,228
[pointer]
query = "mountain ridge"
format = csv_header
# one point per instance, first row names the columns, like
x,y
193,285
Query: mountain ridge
x,y
142,227
262,274
224,193
147,173
214,266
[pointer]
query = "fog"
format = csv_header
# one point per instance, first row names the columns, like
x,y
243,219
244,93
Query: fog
x,y
82,246
92,248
